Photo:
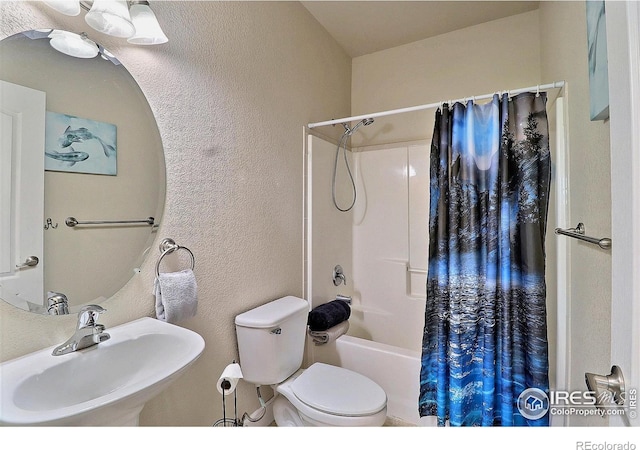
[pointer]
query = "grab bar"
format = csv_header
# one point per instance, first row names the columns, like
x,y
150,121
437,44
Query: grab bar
x,y
72,222
578,233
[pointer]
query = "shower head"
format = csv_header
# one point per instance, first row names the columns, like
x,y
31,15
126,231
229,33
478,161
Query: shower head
x,y
349,131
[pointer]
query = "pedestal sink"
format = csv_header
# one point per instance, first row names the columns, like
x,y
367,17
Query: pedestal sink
x,y
104,385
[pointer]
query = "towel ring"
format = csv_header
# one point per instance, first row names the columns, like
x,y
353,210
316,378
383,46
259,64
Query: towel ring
x,y
167,246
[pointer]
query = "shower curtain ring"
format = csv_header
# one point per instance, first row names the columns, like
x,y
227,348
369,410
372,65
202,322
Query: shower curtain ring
x,y
538,91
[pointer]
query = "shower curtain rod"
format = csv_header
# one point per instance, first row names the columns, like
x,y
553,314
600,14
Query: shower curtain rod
x,y
539,87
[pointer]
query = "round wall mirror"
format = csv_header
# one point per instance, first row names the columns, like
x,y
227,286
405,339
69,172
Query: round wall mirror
x,y
102,184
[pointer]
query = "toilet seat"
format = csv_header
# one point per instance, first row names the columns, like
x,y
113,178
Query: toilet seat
x,y
338,407
339,391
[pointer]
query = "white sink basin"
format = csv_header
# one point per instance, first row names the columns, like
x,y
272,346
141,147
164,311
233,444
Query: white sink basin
x,y
107,384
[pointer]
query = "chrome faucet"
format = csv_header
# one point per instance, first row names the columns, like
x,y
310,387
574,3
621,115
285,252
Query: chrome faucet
x,y
88,332
58,303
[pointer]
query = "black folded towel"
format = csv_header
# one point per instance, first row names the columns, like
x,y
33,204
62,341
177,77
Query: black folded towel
x,y
328,315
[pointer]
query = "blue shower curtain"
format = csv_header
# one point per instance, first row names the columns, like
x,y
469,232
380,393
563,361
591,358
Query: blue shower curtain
x,y
485,333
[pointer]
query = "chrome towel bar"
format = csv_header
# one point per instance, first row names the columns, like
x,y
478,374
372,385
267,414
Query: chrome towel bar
x,y
72,222
578,233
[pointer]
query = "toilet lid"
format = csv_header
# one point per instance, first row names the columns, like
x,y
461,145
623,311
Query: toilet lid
x,y
338,391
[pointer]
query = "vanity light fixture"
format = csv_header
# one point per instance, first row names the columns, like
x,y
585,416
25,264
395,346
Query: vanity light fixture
x,y
148,31
79,46
66,7
133,20
111,17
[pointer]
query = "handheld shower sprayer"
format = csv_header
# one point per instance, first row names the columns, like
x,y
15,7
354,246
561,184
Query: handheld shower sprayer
x,y
349,131
343,141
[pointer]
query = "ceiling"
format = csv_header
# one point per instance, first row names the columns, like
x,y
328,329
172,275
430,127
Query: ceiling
x,y
363,27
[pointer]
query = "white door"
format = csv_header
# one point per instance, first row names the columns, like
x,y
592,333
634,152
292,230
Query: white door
x,y
623,42
22,119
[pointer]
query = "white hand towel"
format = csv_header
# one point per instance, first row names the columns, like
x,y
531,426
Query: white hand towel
x,y
176,296
330,335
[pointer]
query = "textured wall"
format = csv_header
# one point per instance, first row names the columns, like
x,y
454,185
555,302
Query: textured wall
x,y
564,57
493,56
231,92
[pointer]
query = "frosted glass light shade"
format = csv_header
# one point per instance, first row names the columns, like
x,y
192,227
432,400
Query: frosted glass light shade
x,y
111,17
148,31
73,45
67,7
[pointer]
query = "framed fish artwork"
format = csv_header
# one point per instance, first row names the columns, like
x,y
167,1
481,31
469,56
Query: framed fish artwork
x,y
75,144
598,63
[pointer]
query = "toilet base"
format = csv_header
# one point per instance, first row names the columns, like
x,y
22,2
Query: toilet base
x,y
285,414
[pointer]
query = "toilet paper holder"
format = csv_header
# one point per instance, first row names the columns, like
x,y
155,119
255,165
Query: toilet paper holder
x,y
226,385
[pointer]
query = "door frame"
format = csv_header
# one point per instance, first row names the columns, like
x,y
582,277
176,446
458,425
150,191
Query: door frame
x,y
24,109
623,44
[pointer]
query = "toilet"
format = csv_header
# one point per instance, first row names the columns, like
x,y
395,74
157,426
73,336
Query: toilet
x,y
271,345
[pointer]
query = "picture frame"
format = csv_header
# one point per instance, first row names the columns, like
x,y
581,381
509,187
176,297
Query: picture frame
x,y
597,59
80,145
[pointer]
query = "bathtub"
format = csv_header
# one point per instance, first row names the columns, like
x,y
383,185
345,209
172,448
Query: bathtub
x,y
395,369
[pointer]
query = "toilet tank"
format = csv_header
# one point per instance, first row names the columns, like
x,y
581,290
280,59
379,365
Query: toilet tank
x,y
271,340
